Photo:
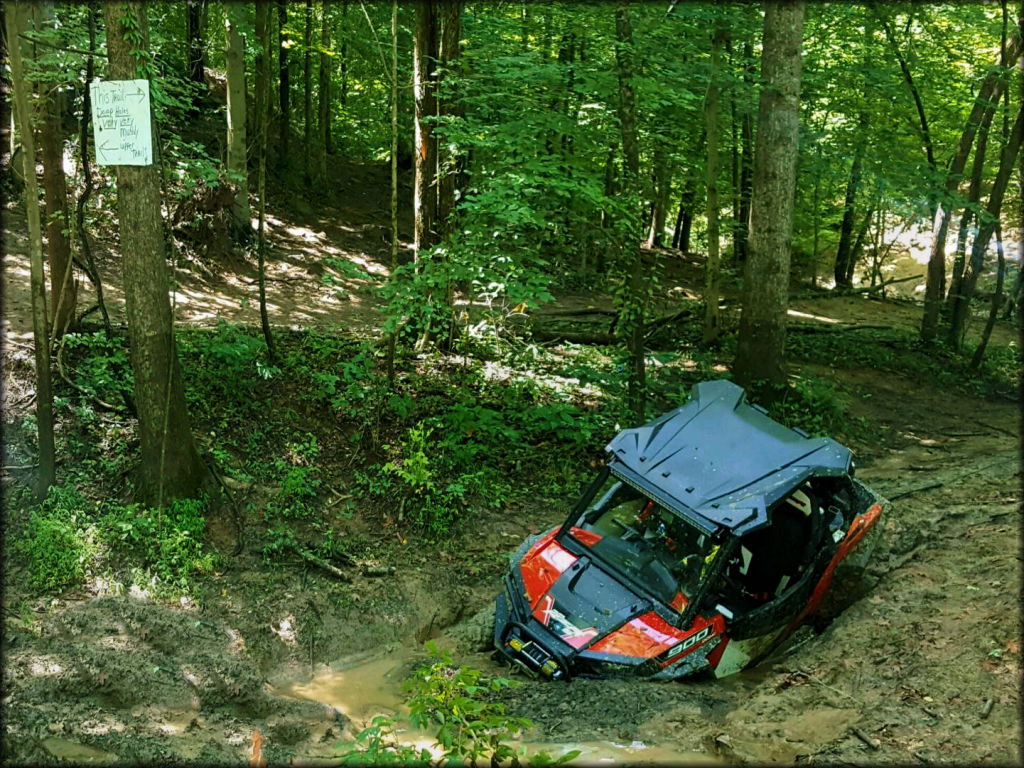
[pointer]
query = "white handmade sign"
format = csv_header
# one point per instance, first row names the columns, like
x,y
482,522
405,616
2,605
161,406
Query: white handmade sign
x,y
120,118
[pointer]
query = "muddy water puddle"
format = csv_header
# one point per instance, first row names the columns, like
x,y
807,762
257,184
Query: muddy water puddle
x,y
363,688
73,752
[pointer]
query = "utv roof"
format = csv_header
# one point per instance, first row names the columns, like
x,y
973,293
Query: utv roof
x,y
720,462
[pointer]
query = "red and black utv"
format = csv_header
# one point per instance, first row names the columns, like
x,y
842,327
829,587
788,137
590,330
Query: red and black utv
x,y
712,533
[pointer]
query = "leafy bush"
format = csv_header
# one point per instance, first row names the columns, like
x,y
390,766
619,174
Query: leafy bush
x,y
169,543
100,365
453,698
55,544
811,405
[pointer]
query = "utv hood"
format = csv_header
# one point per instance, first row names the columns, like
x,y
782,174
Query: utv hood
x,y
585,607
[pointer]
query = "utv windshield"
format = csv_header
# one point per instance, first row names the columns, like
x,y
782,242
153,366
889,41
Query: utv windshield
x,y
645,542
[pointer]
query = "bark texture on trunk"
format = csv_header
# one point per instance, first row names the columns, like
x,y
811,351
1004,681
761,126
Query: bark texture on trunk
x,y
15,23
759,353
196,56
632,311
711,267
424,89
394,173
447,171
234,54
262,124
843,267
284,84
63,287
307,82
324,95
747,160
170,465
989,223
990,90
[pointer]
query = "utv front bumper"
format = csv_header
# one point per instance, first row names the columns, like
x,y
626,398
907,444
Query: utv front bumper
x,y
530,648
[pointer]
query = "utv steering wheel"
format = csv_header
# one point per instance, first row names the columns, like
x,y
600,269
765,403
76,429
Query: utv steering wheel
x,y
627,528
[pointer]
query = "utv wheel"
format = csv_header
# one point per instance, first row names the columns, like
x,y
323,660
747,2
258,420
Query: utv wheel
x,y
850,580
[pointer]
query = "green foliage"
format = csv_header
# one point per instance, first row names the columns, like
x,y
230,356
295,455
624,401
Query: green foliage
x,y
378,744
99,365
810,404
902,352
433,507
457,704
54,542
453,699
168,543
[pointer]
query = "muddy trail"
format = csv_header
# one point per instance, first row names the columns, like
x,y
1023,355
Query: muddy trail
x,y
924,668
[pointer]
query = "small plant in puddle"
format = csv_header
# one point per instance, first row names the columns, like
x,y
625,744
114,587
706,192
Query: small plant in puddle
x,y
470,726
378,744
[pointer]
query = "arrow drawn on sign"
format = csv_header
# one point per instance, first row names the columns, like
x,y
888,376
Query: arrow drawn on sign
x,y
140,94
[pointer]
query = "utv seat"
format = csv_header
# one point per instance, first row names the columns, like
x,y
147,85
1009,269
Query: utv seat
x,y
772,558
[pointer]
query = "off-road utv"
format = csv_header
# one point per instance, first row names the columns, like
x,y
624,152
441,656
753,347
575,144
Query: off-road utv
x,y
711,534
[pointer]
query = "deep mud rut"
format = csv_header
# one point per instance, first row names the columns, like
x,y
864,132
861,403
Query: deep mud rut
x,y
925,666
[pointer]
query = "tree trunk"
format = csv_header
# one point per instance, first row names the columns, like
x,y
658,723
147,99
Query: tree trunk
x,y
972,203
747,162
307,106
662,187
394,175
424,88
711,267
324,95
684,219
284,85
194,29
845,249
450,20
759,353
91,269
631,313
262,125
234,55
990,91
858,245
997,297
170,465
15,23
343,99
988,223
63,287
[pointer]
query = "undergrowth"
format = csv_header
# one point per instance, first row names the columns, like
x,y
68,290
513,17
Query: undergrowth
x,y
326,435
69,538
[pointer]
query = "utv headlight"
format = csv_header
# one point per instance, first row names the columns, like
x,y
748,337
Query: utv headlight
x,y
515,644
550,667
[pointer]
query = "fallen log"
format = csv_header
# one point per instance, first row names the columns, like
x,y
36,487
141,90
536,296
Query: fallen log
x,y
591,337
837,292
574,337
837,328
309,557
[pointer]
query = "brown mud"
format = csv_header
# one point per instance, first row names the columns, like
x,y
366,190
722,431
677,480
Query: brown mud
x,y
925,667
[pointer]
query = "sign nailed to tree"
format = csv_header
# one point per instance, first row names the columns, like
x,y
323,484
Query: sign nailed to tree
x,y
120,118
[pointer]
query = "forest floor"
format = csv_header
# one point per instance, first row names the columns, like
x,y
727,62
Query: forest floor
x,y
926,665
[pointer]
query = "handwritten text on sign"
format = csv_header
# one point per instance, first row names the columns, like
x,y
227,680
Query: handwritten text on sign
x,y
120,118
